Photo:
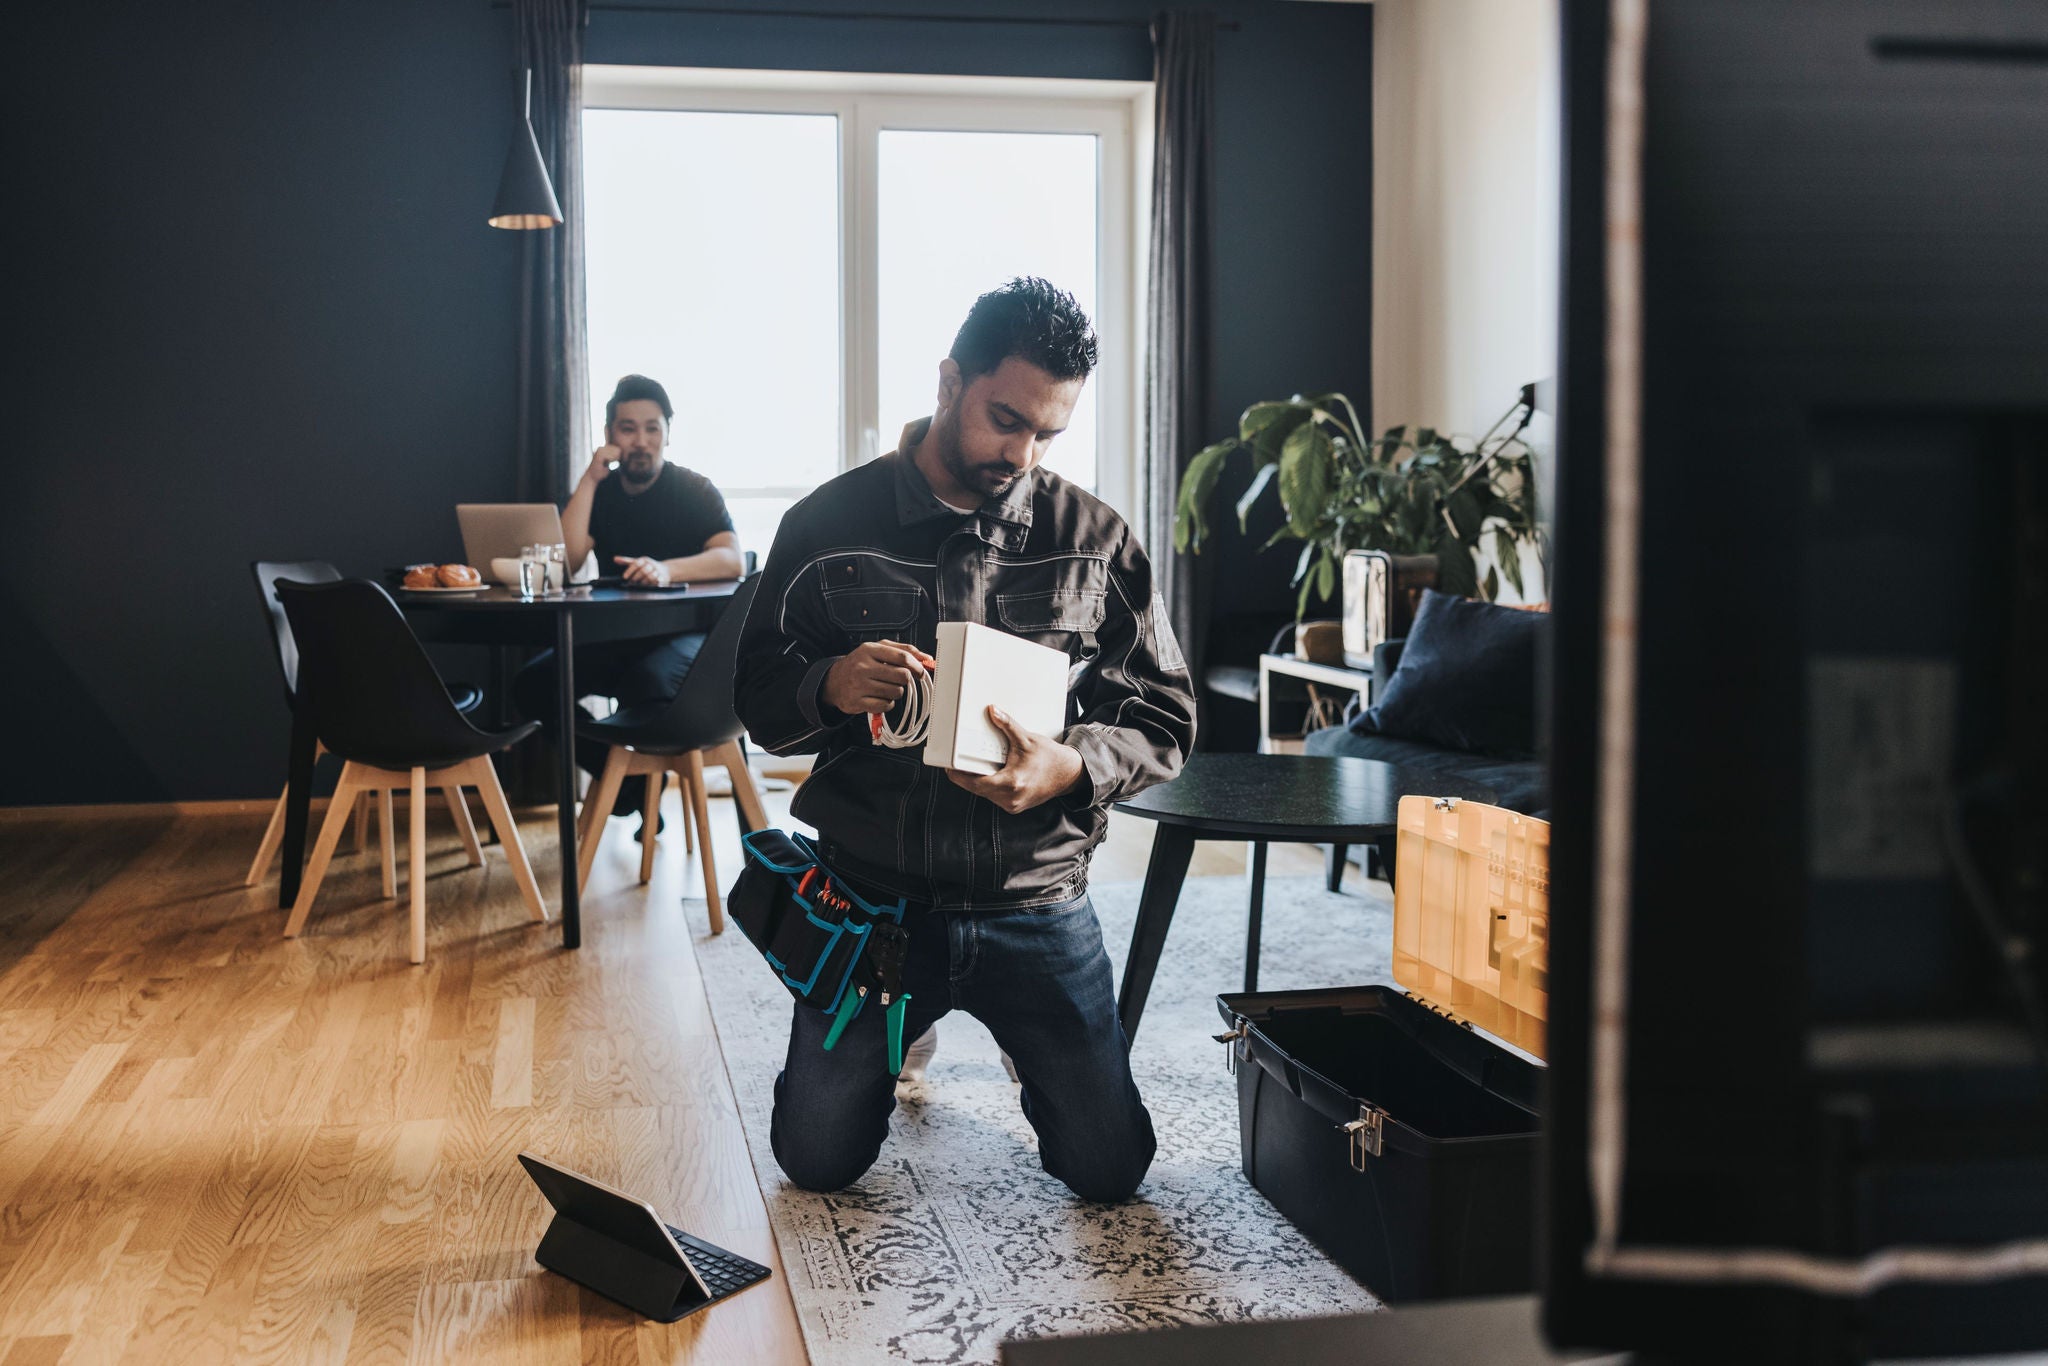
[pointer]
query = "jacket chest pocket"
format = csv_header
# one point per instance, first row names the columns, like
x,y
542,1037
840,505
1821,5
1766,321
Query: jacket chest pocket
x,y
1058,602
1053,611
876,613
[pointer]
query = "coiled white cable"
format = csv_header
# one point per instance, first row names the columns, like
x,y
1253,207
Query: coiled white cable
x,y
903,726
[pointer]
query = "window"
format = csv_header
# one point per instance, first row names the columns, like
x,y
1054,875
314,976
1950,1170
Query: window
x,y
790,255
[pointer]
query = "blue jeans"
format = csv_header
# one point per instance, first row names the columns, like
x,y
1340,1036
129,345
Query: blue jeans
x,y
631,672
1040,980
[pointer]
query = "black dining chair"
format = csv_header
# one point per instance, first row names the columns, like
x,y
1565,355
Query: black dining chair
x,y
681,736
466,699
375,700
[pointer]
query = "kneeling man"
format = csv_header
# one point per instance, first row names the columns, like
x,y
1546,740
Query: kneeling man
x,y
962,523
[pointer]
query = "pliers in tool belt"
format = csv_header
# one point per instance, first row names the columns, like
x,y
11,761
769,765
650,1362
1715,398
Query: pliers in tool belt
x,y
888,944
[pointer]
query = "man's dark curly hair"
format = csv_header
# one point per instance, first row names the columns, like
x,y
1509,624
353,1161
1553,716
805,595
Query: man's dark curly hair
x,y
631,387
1031,319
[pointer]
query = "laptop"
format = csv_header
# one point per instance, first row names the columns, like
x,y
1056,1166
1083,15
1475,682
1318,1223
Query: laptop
x,y
619,1247
499,531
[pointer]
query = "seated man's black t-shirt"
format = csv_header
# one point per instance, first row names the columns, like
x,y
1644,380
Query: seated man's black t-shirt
x,y
670,518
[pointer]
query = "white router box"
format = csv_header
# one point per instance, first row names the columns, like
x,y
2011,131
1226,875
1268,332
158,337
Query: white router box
x,y
980,667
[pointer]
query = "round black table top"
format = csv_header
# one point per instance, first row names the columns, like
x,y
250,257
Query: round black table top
x,y
1293,796
580,601
499,616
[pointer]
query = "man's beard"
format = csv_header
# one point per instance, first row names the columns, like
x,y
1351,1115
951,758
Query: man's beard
x,y
640,469
992,480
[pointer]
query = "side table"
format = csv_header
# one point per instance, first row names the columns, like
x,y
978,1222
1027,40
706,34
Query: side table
x,y
1262,798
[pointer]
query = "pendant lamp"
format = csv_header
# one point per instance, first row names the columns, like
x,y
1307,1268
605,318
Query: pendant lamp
x,y
526,198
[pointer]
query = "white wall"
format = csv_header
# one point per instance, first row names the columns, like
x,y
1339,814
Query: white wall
x,y
1465,169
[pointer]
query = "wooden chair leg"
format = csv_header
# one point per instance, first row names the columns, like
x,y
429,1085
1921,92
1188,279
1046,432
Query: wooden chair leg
x,y
650,822
417,883
682,778
458,809
362,837
696,762
266,852
744,794
485,779
323,849
390,843
597,807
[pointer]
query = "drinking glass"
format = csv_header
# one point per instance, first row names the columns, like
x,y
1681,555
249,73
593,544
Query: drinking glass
x,y
533,568
558,568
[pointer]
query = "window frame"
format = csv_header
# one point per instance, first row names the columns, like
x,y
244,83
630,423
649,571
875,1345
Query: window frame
x,y
1117,113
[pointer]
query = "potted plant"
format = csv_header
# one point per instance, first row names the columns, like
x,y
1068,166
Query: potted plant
x,y
1406,492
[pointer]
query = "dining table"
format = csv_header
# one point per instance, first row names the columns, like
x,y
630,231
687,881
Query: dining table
x,y
501,616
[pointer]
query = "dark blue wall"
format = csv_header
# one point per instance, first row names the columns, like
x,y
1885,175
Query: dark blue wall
x,y
265,319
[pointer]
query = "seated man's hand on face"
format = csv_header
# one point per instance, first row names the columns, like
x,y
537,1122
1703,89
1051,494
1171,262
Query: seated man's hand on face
x,y
874,676
1039,768
642,569
601,462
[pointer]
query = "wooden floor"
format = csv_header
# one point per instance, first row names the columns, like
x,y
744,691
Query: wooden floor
x,y
220,1145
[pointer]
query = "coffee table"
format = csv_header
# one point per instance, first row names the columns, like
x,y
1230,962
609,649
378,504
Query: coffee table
x,y
1263,798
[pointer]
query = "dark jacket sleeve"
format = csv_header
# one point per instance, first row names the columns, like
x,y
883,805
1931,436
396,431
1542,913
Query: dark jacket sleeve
x,y
1137,721
785,651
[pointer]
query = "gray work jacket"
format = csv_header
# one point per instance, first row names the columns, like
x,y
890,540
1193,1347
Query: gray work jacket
x,y
875,555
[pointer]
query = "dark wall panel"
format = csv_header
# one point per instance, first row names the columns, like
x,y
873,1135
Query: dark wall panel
x,y
267,319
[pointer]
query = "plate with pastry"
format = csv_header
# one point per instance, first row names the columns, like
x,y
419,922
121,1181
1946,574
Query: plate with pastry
x,y
442,578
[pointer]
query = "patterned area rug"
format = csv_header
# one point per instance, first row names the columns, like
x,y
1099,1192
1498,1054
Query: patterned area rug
x,y
956,1239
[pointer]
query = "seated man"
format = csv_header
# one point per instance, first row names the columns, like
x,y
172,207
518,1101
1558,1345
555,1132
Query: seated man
x,y
963,523
655,523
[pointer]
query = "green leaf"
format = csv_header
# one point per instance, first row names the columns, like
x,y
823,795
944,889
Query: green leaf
x,y
1508,552
1285,532
1467,508
1301,565
1305,478
1251,495
1492,584
1326,575
1197,486
1455,572
1265,426
1301,598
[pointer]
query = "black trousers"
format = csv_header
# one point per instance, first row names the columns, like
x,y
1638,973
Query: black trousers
x,y
630,672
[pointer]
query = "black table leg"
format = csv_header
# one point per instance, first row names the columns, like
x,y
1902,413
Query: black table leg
x,y
1172,847
565,814
1257,877
1333,866
298,804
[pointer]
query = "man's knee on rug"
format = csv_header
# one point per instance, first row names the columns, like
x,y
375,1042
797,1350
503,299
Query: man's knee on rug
x,y
812,1168
1107,1163
816,1158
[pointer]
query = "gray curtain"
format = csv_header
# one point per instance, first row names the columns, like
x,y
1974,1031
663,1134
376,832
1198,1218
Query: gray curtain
x,y
1177,322
553,387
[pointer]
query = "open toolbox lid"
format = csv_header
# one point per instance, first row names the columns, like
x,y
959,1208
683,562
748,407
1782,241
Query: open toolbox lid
x,y
1472,915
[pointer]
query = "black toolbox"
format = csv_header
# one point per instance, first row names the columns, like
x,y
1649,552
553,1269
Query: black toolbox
x,y
1381,1121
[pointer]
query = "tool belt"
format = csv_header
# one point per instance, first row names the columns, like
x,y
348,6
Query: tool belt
x,y
830,946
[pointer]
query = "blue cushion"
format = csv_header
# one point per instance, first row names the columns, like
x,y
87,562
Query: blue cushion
x,y
1467,679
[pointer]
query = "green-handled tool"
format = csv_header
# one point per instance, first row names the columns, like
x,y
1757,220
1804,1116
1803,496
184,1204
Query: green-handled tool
x,y
896,1033
849,1006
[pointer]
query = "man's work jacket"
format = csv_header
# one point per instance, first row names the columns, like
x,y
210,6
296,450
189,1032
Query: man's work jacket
x,y
875,555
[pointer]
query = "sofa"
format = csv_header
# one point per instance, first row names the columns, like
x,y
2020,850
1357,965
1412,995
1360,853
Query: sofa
x,y
1502,753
